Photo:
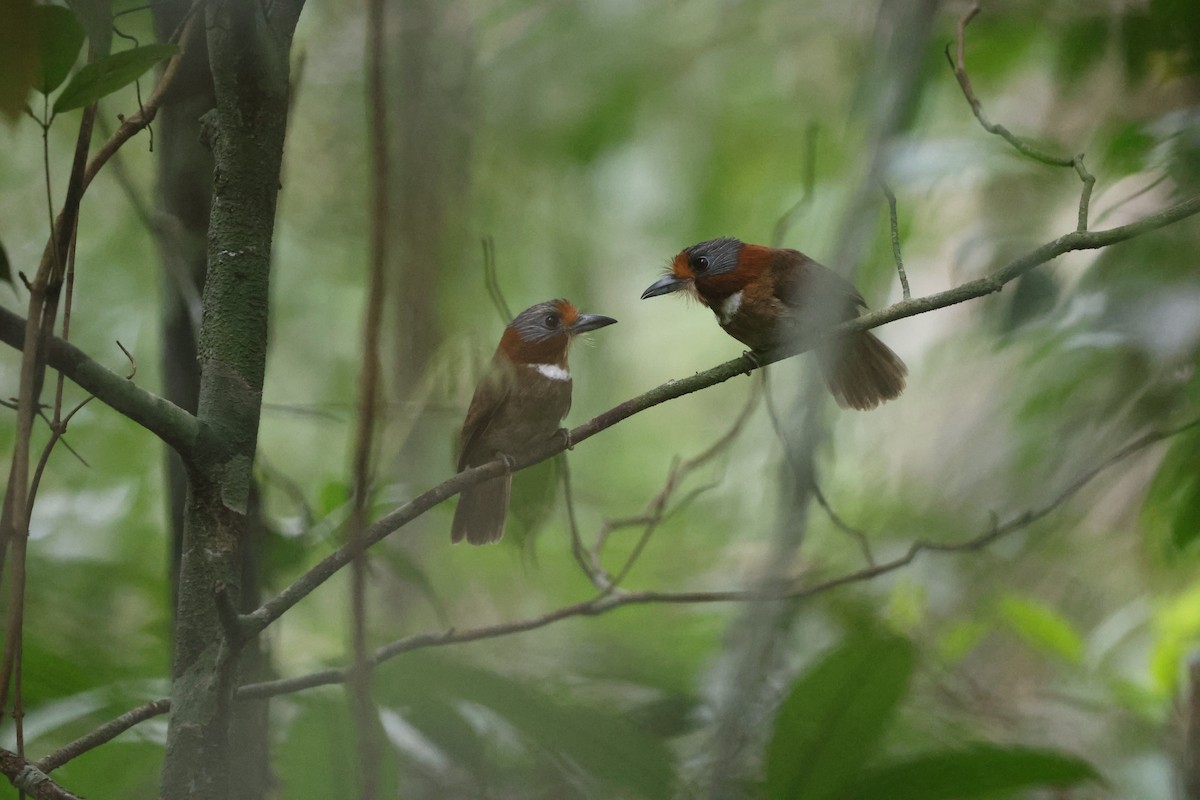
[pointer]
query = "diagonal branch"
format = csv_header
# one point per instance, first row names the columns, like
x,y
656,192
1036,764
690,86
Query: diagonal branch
x,y
104,734
275,607
31,781
958,64
611,599
164,419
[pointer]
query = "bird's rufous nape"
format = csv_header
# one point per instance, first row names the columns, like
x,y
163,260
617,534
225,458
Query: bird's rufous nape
x,y
518,404
769,298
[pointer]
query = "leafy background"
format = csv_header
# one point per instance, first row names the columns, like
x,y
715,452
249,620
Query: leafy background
x,y
591,142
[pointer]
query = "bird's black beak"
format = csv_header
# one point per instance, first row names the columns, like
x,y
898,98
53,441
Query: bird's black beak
x,y
590,322
664,285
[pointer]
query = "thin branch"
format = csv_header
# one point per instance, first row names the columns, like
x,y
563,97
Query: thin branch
x,y
104,734
362,708
1024,148
492,282
860,537
588,562
135,122
31,781
789,217
656,509
164,419
273,608
609,600
893,217
1106,213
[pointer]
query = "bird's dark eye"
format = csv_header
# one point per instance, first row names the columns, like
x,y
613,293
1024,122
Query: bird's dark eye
x,y
551,321
700,264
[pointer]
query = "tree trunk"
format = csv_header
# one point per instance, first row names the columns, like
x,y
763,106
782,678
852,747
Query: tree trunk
x,y
249,54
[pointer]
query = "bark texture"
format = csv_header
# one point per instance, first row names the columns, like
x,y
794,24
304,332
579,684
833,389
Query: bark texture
x,y
248,47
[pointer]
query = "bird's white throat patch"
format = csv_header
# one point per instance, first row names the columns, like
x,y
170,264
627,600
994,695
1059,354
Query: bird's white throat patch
x,y
552,371
727,308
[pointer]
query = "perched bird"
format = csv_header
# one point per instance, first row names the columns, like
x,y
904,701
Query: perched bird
x,y
767,298
517,405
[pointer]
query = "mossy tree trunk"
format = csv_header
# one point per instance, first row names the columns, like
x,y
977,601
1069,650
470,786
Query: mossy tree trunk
x,y
248,45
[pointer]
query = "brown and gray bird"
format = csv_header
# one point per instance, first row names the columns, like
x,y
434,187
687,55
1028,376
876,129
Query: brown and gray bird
x,y
517,406
767,298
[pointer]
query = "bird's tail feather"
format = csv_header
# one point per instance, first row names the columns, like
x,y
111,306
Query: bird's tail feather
x,y
862,371
481,512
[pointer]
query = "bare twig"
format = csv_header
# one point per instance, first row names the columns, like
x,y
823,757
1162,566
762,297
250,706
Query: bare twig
x,y
104,734
132,361
31,781
656,509
859,536
788,218
609,600
1021,146
492,281
1190,767
132,124
588,563
368,395
273,608
895,226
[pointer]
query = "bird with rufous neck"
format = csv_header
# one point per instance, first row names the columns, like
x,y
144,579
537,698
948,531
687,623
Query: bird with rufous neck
x,y
768,298
518,405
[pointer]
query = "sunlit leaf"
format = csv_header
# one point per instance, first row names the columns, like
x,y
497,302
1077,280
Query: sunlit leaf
x,y
105,76
961,638
331,497
834,716
1177,629
977,772
1042,627
59,40
1171,510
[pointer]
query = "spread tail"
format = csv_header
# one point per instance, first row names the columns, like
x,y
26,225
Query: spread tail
x,y
865,373
481,512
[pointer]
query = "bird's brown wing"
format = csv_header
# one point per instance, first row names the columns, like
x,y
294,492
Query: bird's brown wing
x,y
800,282
489,396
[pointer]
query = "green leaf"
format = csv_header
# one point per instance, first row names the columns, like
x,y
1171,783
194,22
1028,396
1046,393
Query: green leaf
x,y
332,496
596,739
1171,510
319,756
108,74
96,18
1042,627
978,771
961,638
59,39
18,56
834,715
1128,149
1082,46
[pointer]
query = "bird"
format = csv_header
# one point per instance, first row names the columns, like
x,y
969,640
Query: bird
x,y
767,298
517,406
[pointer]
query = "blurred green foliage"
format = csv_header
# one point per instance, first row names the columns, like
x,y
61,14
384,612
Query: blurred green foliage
x,y
604,137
